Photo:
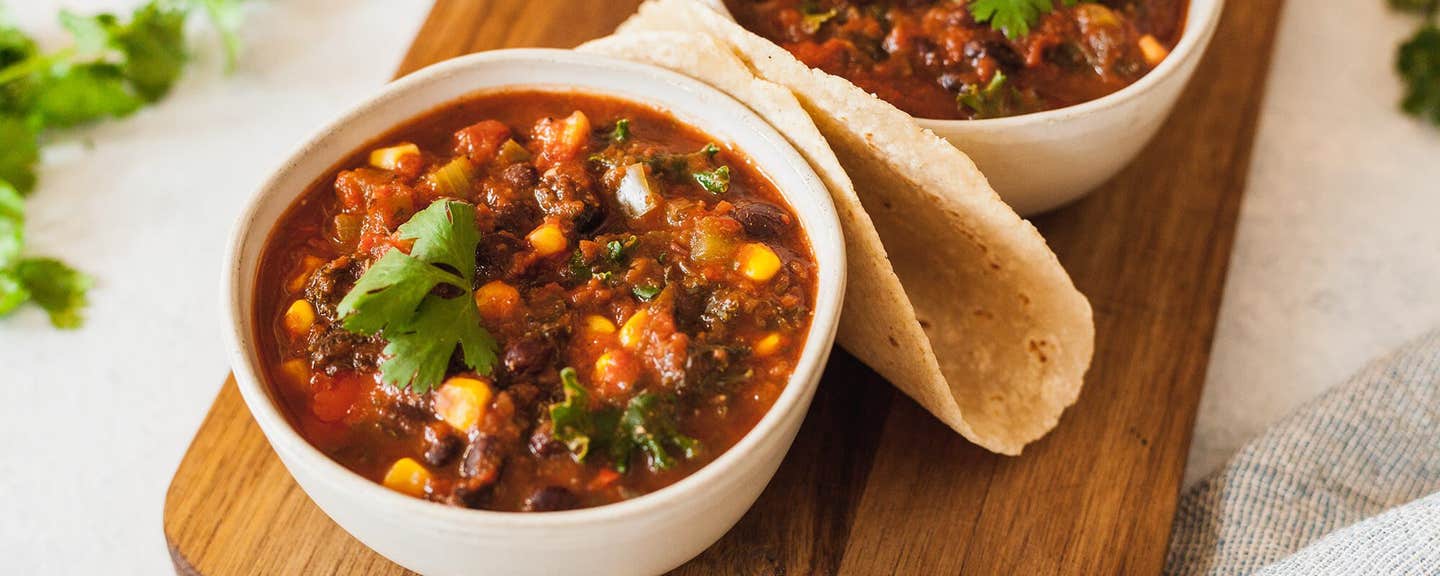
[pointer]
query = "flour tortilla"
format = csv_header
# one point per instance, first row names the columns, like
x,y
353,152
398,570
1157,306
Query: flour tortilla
x,y
973,317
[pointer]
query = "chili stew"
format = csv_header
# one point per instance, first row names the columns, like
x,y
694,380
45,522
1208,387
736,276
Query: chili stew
x,y
534,301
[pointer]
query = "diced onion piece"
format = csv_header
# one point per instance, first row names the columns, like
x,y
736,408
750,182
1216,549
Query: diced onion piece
x,y
453,179
758,262
633,331
347,230
299,317
497,300
389,158
714,240
769,344
462,402
636,194
407,476
597,324
1153,50
308,266
548,239
512,152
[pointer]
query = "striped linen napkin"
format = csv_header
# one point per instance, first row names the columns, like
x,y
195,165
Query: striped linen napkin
x,y
1345,486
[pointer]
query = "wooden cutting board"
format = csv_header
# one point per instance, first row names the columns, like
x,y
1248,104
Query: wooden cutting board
x,y
874,485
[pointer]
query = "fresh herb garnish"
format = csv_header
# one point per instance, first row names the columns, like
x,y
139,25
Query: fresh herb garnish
x,y
813,17
621,133
716,181
710,150
989,102
397,297
615,249
646,293
112,68
647,423
1013,17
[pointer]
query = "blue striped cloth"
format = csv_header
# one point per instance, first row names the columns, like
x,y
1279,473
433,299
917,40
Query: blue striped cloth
x,y
1345,486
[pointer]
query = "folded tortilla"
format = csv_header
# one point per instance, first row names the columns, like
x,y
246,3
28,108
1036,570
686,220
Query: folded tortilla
x,y
951,296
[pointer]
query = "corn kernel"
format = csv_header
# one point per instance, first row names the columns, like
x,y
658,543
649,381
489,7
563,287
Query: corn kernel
x,y
633,331
599,324
308,266
497,300
299,317
758,262
548,239
407,476
1153,51
296,372
462,402
389,158
604,364
769,344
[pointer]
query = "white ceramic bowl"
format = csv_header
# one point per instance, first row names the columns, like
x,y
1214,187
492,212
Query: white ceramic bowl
x,y
645,535
1043,160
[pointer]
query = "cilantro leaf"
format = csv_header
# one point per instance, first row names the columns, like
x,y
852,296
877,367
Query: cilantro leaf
x,y
570,420
716,181
1419,65
56,287
646,293
397,297
12,225
85,93
420,349
648,424
989,102
1417,6
1013,17
154,46
19,154
226,17
15,47
621,134
12,292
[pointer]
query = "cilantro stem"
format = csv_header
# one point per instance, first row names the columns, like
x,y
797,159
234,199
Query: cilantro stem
x,y
34,64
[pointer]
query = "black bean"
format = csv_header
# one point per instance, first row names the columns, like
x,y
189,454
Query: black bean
x,y
521,175
480,456
526,356
550,499
762,220
544,445
440,447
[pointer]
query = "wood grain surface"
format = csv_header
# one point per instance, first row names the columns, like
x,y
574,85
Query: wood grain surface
x,y
874,485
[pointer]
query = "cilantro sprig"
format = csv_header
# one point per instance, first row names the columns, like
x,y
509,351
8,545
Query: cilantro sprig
x,y
1013,17
422,302
1418,62
112,68
646,424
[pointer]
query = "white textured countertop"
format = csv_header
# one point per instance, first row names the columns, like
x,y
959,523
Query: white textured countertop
x,y
1338,257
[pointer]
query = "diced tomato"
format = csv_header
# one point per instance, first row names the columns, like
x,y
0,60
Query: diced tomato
x,y
603,479
394,203
481,140
324,435
561,140
334,397
616,372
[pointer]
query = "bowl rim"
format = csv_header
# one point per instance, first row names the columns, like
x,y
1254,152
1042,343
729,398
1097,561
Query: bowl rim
x,y
1192,45
823,233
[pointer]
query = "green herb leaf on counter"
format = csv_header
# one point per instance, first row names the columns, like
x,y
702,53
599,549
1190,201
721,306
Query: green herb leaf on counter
x,y
716,181
1425,7
1013,17
398,297
112,68
1418,62
20,153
